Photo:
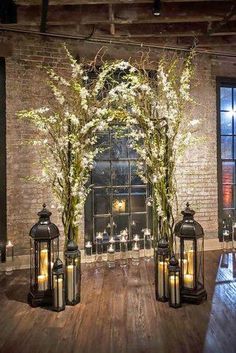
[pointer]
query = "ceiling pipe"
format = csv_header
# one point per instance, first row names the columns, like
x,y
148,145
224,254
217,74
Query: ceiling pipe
x,y
116,42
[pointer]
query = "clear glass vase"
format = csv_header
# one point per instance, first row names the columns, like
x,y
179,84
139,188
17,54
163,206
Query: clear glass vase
x,y
123,252
136,250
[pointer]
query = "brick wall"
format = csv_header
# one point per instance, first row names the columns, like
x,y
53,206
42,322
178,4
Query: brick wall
x,y
197,171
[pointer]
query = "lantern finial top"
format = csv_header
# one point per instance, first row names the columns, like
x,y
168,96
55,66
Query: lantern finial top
x,y
58,265
173,261
187,212
163,243
44,213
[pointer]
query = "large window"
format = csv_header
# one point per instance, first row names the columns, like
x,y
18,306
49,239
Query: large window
x,y
227,149
118,197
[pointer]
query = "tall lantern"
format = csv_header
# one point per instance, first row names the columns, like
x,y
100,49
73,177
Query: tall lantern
x,y
191,253
44,247
58,286
174,283
73,273
161,270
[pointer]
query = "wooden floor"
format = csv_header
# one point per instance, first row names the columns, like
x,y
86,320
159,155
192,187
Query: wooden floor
x,y
119,314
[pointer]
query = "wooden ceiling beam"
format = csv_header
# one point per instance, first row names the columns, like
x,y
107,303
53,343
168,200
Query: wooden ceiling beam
x,y
96,2
123,14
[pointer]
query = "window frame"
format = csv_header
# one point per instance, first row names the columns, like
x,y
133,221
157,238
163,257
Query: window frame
x,y
90,203
231,83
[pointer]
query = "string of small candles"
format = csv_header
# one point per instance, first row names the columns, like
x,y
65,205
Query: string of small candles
x,y
119,248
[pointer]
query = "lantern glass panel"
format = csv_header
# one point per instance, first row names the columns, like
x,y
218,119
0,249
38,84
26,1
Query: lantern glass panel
x,y
55,249
162,274
177,248
188,262
58,292
174,288
73,279
32,264
43,265
200,262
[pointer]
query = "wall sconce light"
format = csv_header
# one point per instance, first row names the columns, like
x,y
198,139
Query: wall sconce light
x,y
119,205
157,8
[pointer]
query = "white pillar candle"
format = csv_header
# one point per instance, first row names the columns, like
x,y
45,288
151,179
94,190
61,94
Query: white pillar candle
x,y
88,252
188,281
42,282
162,282
58,292
185,266
174,289
70,282
9,258
190,257
44,265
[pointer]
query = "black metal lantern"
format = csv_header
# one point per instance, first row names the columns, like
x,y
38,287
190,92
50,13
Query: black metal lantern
x,y
191,246
73,273
161,270
174,283
58,286
44,247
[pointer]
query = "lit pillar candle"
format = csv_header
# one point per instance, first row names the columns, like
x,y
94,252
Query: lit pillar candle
x,y
188,281
190,257
185,266
111,256
9,258
58,292
162,278
88,252
44,262
44,265
174,289
71,283
42,282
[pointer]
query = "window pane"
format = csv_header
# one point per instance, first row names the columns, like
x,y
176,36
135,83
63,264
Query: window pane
x,y
228,196
140,223
226,147
138,198
226,123
101,173
120,201
103,142
225,98
119,148
122,222
228,172
120,173
101,224
135,179
102,201
234,107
